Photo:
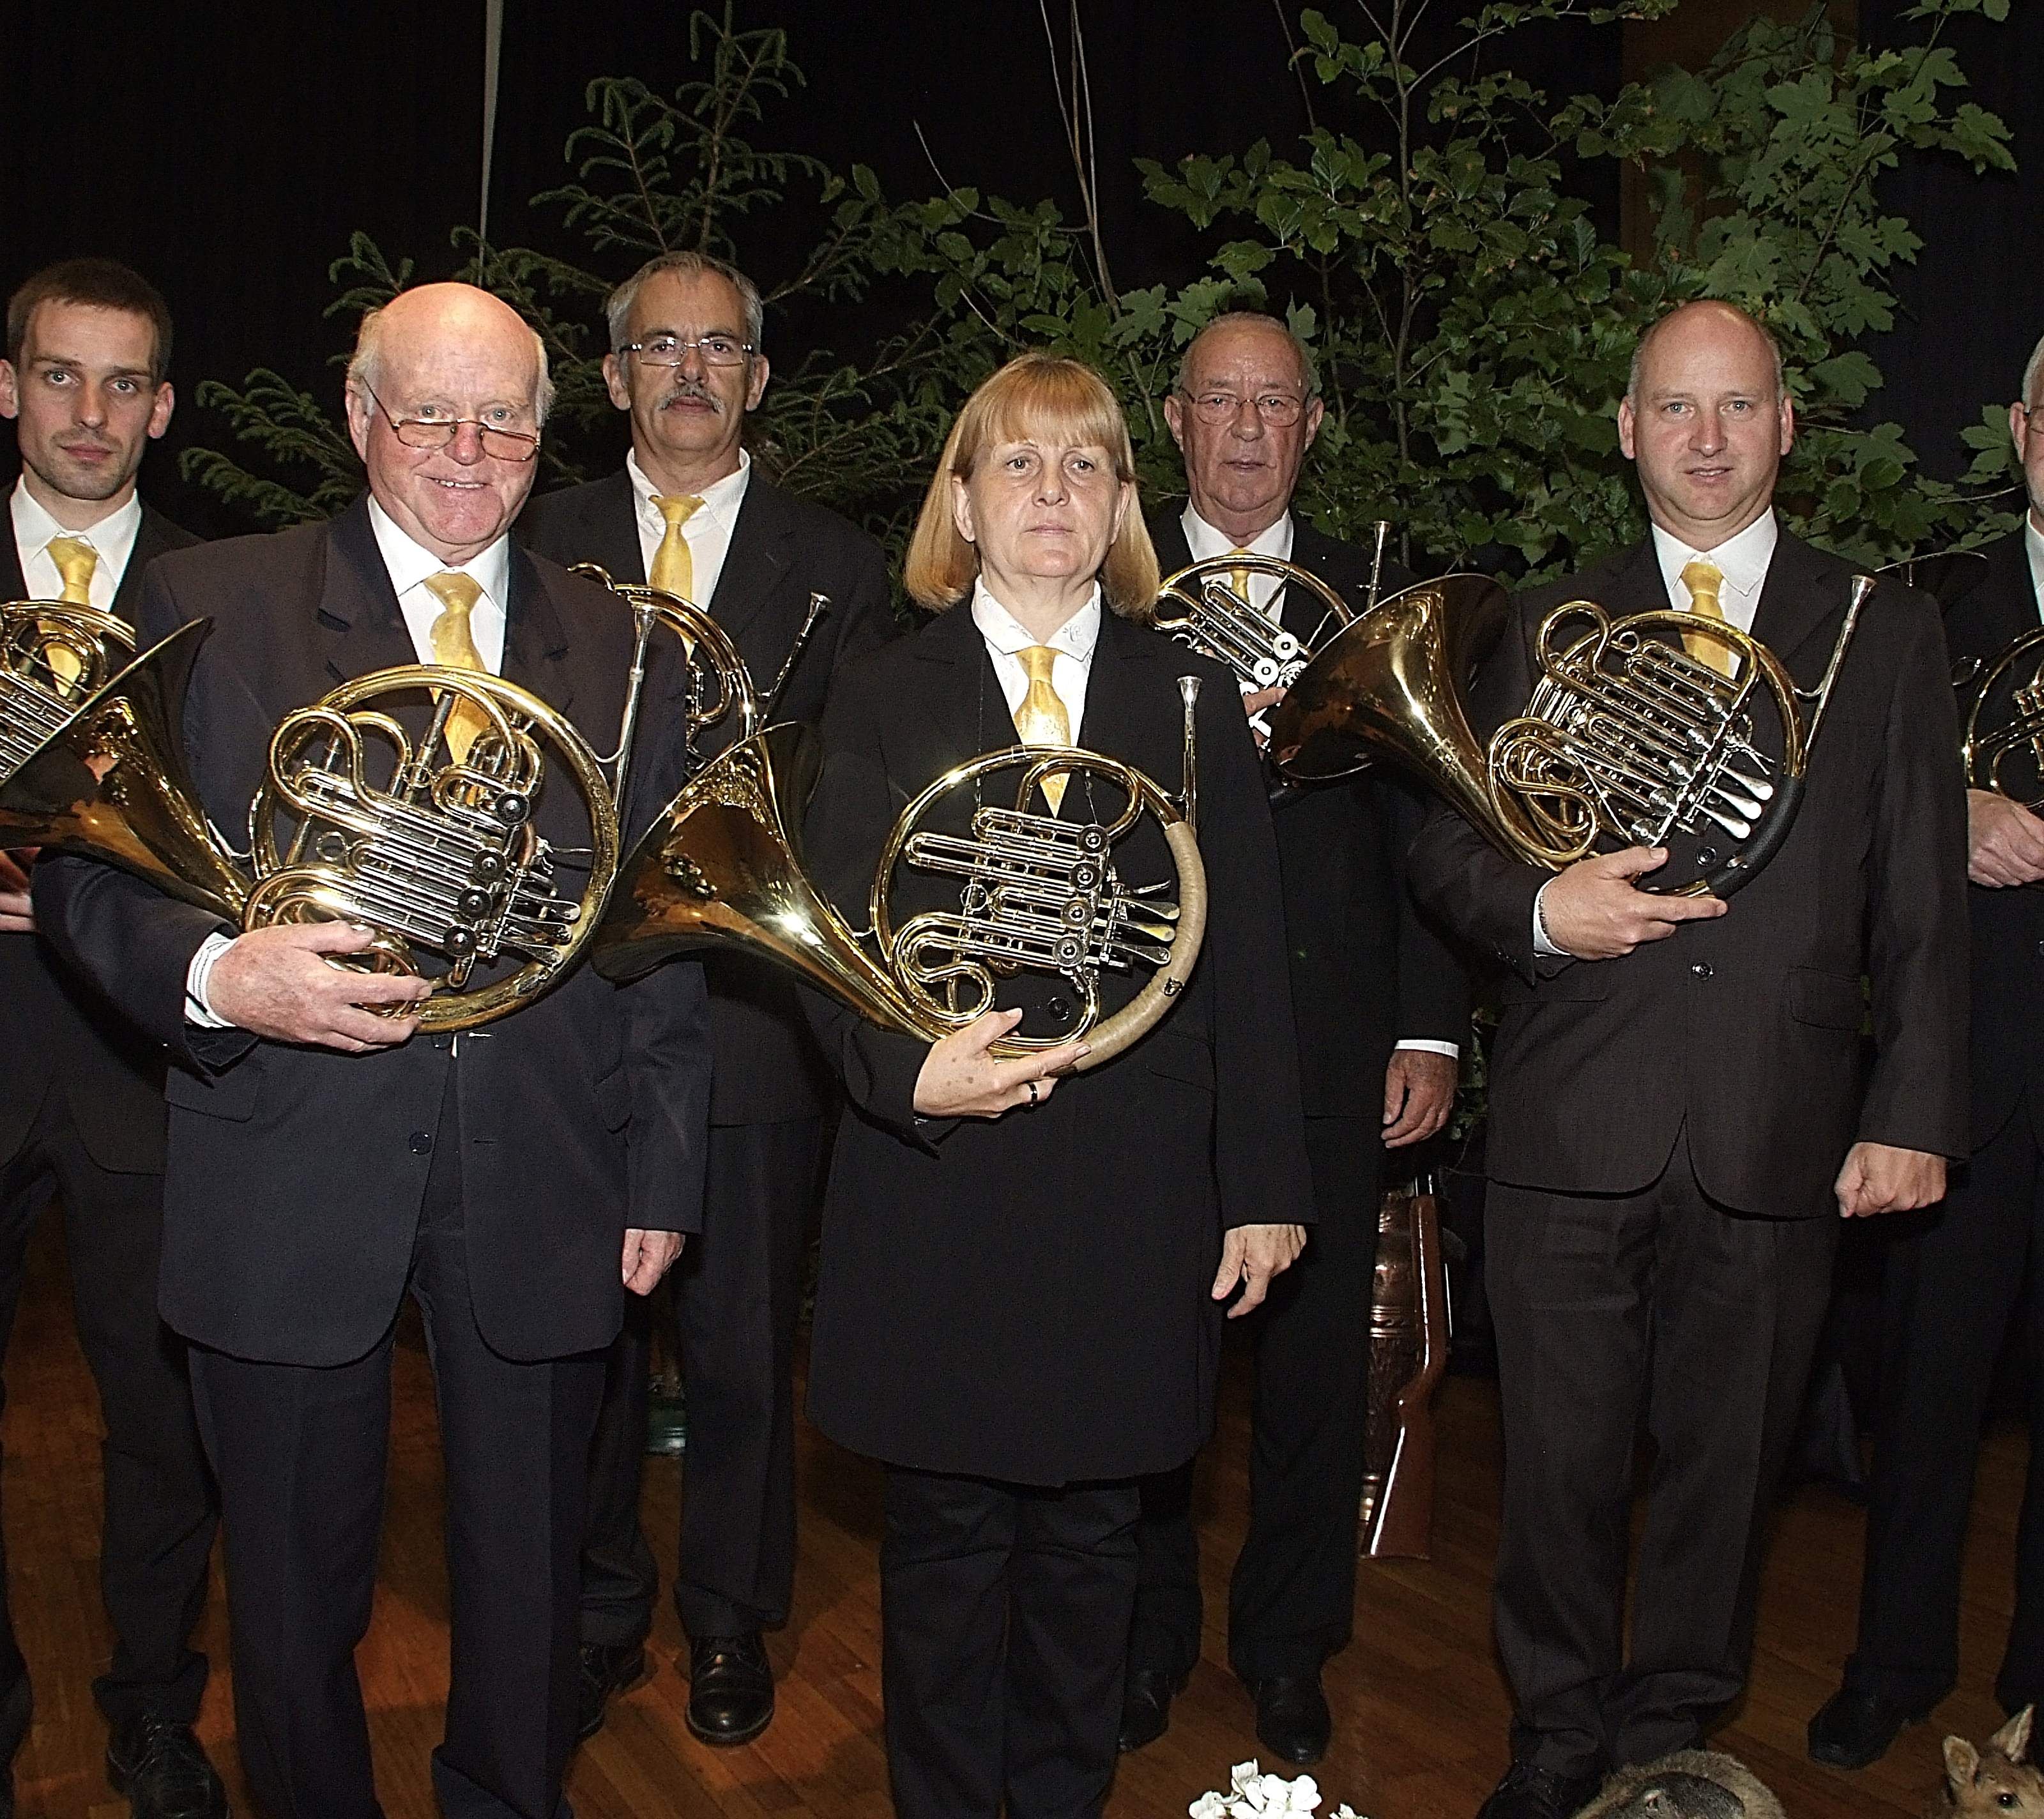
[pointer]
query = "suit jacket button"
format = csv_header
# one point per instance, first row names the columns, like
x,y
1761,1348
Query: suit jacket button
x,y
1702,969
422,1142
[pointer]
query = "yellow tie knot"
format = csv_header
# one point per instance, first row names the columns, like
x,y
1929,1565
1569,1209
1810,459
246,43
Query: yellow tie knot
x,y
453,647
76,559
1704,579
1042,720
673,569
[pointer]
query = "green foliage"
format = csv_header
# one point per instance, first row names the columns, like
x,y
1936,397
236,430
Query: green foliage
x,y
1473,327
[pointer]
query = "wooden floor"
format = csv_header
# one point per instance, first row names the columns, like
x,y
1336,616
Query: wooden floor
x,y
1419,1710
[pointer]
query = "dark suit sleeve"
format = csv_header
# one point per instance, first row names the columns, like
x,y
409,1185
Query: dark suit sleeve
x,y
1457,877
854,806
133,942
867,609
1917,956
667,1050
1259,1116
1433,990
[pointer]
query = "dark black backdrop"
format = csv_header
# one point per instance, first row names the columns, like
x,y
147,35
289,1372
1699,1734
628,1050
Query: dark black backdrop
x,y
229,149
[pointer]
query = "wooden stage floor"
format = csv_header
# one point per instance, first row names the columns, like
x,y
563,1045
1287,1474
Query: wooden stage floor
x,y
1419,1709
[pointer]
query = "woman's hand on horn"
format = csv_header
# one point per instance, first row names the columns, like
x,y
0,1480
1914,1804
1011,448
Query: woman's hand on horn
x,y
961,1079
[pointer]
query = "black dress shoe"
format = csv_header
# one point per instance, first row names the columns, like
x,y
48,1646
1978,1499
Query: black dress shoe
x,y
163,1769
1854,1728
1145,1707
604,1669
1530,1793
730,1689
1291,1717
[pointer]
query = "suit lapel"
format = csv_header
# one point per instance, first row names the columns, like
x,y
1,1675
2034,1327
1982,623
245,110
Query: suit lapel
x,y
757,563
12,586
971,710
610,533
536,641
358,618
1797,600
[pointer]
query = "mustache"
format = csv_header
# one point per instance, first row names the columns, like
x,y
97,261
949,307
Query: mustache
x,y
692,391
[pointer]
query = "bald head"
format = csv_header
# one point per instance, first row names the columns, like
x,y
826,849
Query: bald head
x,y
448,354
1706,421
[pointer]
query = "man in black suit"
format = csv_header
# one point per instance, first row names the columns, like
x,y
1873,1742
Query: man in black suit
x,y
1954,1276
1381,1007
323,1158
1680,1109
81,1093
689,511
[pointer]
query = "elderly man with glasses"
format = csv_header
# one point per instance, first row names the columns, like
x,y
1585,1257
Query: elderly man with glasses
x,y
1381,1008
325,1157
690,511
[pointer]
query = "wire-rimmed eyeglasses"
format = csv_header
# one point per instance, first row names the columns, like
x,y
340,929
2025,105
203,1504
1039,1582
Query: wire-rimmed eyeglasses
x,y
671,350
1279,409
438,431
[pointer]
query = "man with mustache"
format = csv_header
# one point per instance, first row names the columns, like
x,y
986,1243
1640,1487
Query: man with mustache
x,y
1681,1105
691,513
81,1093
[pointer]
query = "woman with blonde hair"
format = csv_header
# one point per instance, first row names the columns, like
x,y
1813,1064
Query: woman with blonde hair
x,y
1023,1268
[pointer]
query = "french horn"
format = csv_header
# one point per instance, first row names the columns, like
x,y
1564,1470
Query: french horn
x,y
53,658
2002,735
1627,735
724,867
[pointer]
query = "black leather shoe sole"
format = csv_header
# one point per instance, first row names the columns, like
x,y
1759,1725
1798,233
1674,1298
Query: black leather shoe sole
x,y
1854,1730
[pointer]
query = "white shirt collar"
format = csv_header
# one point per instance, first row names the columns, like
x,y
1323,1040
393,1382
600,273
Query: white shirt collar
x,y
2033,541
409,563
1007,634
1205,542
112,539
720,499
1741,559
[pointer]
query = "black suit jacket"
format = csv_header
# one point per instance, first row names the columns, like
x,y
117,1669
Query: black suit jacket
x,y
1746,1029
2007,925
1367,971
1026,1299
292,1194
60,1028
782,549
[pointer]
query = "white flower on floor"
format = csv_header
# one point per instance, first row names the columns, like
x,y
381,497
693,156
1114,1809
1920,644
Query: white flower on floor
x,y
1252,1793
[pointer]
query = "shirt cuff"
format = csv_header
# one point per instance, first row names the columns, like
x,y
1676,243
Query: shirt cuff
x,y
1427,1044
197,1009
1542,945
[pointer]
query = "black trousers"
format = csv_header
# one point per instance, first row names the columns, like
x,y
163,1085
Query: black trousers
x,y
1956,1273
1005,1613
1292,1600
737,1292
302,1452
1661,1307
160,1508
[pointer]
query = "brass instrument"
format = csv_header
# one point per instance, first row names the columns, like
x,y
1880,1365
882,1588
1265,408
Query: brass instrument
x,y
1408,1356
2002,735
1199,608
36,701
1627,736
723,867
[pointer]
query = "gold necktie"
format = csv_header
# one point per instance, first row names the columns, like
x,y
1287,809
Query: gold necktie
x,y
75,560
453,647
1041,719
1238,579
1702,579
674,568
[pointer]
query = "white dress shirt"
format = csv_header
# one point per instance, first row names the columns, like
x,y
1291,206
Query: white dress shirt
x,y
112,539
408,565
2033,541
1742,560
1074,642
707,530
1206,544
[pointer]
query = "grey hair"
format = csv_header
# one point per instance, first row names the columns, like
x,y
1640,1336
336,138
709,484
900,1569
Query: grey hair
x,y
1654,328
2032,373
1308,368
617,312
365,365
